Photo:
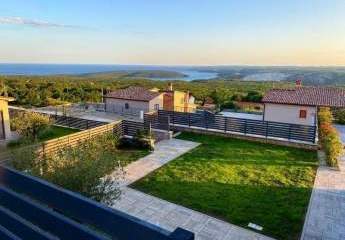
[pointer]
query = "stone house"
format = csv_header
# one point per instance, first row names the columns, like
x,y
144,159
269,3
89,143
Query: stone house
x,y
133,100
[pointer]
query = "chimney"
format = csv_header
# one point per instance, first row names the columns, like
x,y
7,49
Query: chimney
x,y
170,88
187,97
298,83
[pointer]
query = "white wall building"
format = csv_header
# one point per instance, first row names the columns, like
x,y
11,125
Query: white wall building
x,y
299,105
304,115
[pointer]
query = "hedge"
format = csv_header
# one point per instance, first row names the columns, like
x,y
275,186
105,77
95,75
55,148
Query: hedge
x,y
329,137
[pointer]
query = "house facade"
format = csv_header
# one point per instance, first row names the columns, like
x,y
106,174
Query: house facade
x,y
295,114
5,129
133,100
178,101
300,105
138,100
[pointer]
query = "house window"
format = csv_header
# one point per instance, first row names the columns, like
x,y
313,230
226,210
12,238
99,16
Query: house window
x,y
156,106
126,105
302,113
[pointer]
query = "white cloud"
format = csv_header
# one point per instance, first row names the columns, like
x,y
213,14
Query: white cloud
x,y
33,23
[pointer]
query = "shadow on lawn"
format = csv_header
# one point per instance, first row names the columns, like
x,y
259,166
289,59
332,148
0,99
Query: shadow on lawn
x,y
280,210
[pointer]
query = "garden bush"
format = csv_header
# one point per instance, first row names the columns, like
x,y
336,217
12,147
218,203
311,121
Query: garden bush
x,y
30,124
340,116
143,139
329,137
82,169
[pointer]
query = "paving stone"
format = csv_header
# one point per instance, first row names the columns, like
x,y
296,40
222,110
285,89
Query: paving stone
x,y
326,214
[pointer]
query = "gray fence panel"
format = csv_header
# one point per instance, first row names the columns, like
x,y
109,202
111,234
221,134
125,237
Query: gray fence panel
x,y
266,129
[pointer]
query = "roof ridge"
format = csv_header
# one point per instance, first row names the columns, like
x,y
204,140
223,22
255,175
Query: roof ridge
x,y
310,95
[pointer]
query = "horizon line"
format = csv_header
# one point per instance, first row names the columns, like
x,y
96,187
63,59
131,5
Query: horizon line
x,y
180,65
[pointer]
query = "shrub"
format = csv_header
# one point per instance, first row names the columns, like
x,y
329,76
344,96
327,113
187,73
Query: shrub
x,y
30,124
340,116
142,140
82,169
325,116
145,139
26,159
329,137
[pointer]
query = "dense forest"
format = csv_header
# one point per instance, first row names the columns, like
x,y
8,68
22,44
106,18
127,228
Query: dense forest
x,y
53,90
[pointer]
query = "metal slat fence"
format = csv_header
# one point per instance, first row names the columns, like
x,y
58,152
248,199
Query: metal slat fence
x,y
65,121
130,128
209,121
52,212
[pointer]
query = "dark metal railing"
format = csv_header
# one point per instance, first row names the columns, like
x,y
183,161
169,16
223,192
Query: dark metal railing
x,y
210,121
50,211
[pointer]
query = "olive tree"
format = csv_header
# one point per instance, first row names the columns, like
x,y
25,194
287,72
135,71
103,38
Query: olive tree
x,y
92,168
30,124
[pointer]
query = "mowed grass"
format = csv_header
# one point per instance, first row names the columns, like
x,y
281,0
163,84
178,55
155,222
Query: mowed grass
x,y
240,182
51,133
55,132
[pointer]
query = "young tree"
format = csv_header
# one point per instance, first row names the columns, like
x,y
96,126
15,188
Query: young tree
x,y
30,124
85,169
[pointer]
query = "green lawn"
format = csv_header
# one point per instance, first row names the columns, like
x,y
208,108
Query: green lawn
x,y
51,133
56,132
240,182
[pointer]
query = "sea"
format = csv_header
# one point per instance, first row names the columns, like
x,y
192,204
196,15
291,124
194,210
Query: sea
x,y
77,69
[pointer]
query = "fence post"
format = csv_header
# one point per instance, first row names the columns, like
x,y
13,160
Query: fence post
x,y
314,134
245,127
266,129
188,119
150,131
289,136
226,124
205,120
87,124
168,123
173,115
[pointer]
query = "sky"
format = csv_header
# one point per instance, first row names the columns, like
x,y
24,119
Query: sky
x,y
173,32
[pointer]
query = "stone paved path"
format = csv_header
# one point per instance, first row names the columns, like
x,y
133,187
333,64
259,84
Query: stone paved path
x,y
326,214
168,215
165,151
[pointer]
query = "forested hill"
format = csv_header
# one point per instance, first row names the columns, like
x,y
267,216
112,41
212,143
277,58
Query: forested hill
x,y
325,76
51,90
136,74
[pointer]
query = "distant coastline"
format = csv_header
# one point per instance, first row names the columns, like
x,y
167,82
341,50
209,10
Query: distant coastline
x,y
135,71
309,75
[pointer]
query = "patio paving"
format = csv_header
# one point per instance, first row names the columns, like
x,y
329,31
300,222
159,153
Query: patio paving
x,y
168,215
326,214
165,151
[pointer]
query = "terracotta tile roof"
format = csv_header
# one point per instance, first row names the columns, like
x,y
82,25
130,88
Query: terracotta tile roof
x,y
133,93
309,96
